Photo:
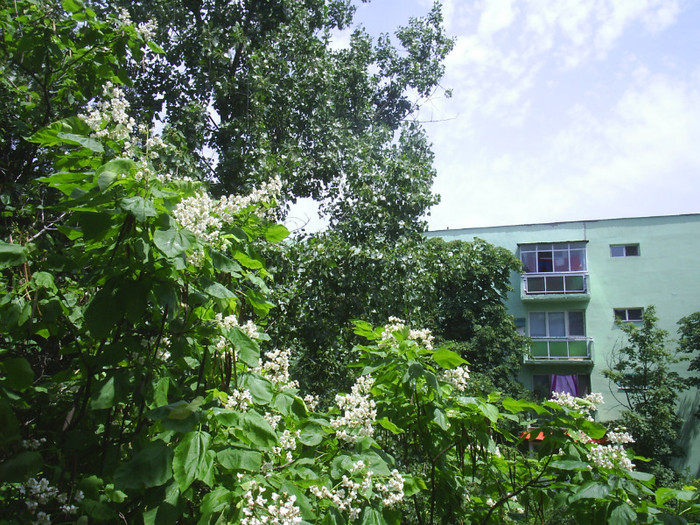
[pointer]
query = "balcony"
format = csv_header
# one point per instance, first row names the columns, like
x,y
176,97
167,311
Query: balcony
x,y
555,285
557,349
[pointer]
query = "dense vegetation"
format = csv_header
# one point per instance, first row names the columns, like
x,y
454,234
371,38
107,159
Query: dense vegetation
x,y
143,298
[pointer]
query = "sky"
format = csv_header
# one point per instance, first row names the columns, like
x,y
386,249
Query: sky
x,y
562,109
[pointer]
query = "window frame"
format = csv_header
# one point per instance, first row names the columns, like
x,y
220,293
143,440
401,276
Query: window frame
x,y
626,318
625,249
549,252
567,324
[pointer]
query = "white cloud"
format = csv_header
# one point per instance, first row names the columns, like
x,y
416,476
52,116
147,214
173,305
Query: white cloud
x,y
496,15
639,159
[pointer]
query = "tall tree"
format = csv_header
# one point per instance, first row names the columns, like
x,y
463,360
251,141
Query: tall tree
x,y
456,289
689,330
642,371
264,85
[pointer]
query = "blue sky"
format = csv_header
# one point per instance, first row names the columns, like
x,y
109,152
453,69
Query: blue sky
x,y
562,109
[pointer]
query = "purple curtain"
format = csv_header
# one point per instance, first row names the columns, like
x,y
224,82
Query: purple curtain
x,y
568,384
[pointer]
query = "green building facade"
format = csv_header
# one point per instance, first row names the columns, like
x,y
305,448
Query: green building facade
x,y
578,278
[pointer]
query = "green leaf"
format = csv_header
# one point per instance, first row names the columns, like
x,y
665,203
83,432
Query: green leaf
x,y
622,514
247,261
105,179
98,510
139,207
591,490
260,389
149,467
9,424
276,233
12,255
258,430
19,373
80,140
110,171
569,464
219,291
72,6
519,405
448,359
385,423
240,459
312,434
440,418
191,460
223,263
94,225
372,516
21,467
247,350
591,428
216,501
113,389
173,241
102,314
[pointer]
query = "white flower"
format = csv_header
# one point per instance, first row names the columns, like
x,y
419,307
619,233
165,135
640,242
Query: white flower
x,y
240,399
610,456
359,412
457,377
276,368
619,437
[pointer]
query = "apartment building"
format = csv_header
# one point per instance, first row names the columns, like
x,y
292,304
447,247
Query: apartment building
x,y
580,277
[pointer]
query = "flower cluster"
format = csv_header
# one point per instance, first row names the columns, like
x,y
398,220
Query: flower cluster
x,y
610,456
346,495
278,510
359,412
288,442
33,444
239,399
145,30
619,436
423,337
109,118
586,404
276,368
206,217
311,402
41,493
457,377
230,321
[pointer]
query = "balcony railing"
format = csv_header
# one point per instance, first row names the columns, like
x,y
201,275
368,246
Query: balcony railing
x,y
555,283
561,349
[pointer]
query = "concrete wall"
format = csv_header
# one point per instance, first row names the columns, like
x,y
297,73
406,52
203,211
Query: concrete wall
x,y
665,274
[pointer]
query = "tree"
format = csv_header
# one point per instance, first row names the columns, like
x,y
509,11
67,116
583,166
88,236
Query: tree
x,y
456,289
651,390
263,86
689,343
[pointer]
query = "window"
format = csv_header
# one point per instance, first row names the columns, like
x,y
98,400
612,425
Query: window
x,y
556,257
578,385
624,250
629,314
557,324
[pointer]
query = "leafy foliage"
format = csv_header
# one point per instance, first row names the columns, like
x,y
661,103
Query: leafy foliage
x,y
456,289
286,99
689,343
651,390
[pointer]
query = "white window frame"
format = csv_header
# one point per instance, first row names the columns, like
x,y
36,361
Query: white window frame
x,y
626,317
555,247
625,249
567,330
